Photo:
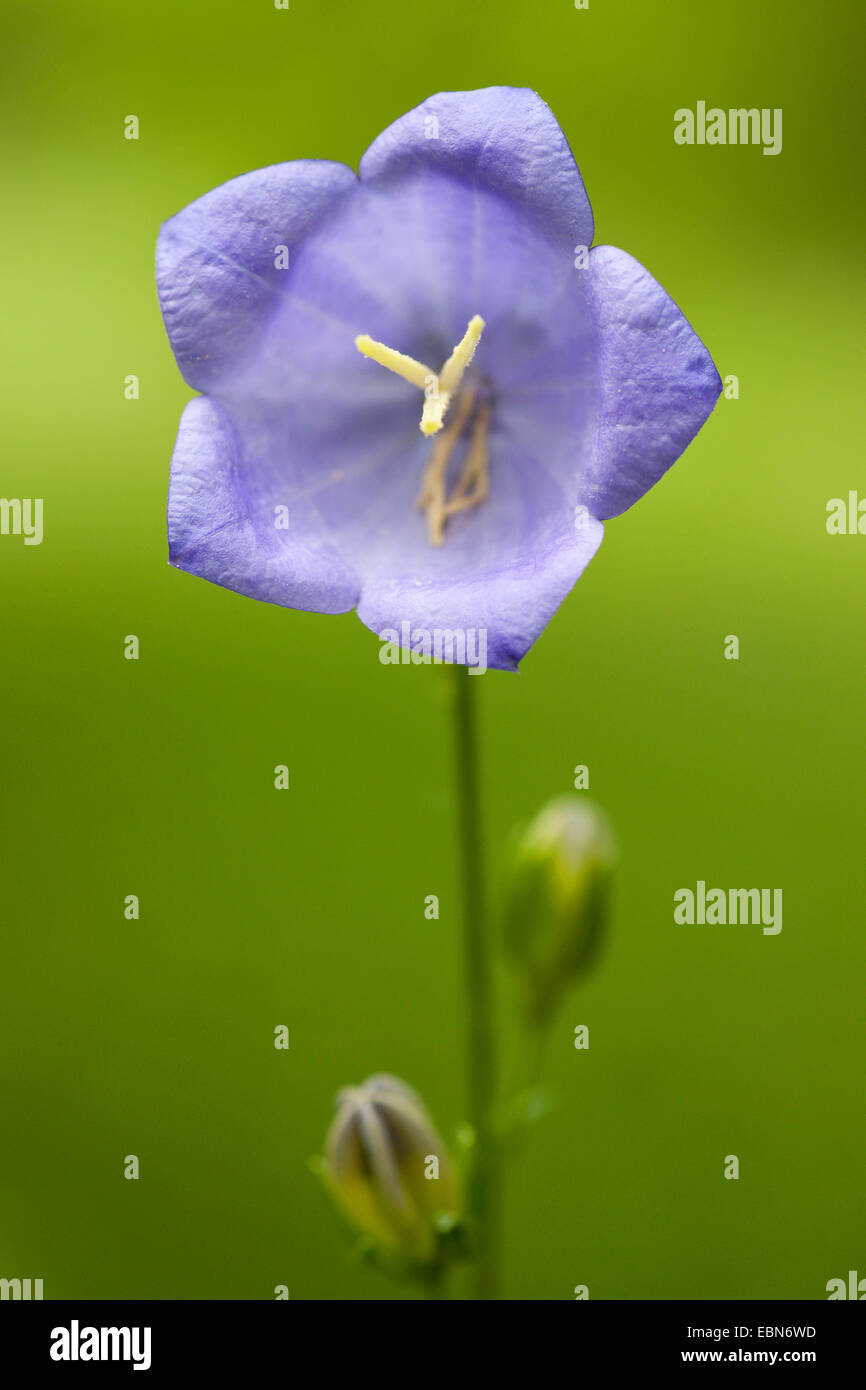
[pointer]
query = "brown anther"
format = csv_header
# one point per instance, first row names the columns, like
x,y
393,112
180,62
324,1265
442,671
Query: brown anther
x,y
431,498
474,483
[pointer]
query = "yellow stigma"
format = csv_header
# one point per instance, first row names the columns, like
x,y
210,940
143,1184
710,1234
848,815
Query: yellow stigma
x,y
451,374
438,387
413,372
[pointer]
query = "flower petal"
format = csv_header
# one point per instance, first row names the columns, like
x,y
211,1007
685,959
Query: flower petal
x,y
501,574
354,527
410,265
217,531
503,138
658,382
216,269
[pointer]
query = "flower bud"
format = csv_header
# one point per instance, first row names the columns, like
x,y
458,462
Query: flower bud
x,y
556,898
388,1169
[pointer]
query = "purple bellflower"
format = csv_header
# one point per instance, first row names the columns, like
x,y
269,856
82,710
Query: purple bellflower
x,y
324,317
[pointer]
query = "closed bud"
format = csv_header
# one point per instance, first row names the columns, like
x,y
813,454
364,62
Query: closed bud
x,y
556,899
389,1171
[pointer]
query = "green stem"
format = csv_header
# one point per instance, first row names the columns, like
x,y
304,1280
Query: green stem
x,y
484,1189
536,1044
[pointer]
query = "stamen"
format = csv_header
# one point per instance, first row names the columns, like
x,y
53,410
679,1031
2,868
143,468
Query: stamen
x,y
474,483
439,390
431,498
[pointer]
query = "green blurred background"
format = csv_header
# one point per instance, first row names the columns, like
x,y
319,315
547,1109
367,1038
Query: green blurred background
x,y
306,908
